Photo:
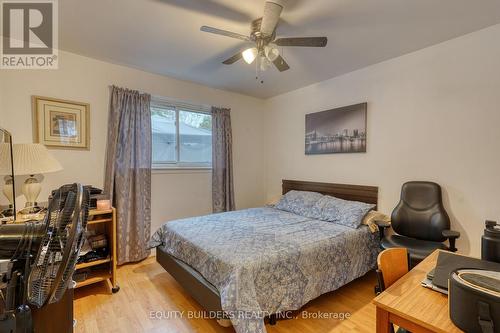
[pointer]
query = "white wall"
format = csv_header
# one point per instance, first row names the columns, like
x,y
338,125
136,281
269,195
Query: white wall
x,y
432,115
87,80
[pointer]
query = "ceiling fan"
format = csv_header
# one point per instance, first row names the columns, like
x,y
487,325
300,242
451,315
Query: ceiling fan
x,y
263,35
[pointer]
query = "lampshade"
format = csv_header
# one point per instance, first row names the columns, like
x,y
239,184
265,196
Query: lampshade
x,y
249,55
271,51
264,63
5,166
32,159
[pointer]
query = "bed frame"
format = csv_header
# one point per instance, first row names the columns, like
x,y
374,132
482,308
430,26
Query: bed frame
x,y
205,293
368,194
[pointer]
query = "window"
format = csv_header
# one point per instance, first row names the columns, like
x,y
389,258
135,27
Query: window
x,y
182,135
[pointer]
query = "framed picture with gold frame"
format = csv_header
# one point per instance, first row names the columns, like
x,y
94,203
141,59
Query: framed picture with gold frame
x,y
61,124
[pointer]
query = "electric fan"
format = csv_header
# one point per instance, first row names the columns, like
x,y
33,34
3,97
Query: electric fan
x,y
39,258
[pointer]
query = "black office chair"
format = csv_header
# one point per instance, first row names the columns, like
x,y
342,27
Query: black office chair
x,y
420,221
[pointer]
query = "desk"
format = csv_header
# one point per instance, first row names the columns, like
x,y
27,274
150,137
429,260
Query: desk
x,y
406,303
44,319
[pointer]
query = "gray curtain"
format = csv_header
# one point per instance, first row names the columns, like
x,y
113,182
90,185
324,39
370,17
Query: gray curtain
x,y
128,171
222,161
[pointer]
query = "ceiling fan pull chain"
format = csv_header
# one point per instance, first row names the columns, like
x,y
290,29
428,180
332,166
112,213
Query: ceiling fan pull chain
x,y
256,70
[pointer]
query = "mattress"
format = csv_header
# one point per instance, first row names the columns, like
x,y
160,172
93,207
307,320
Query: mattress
x,y
264,261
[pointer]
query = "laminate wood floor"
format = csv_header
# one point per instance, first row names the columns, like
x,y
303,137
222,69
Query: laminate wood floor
x,y
149,295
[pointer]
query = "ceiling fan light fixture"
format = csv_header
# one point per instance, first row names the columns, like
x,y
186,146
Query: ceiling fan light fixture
x,y
249,55
264,64
271,51
262,42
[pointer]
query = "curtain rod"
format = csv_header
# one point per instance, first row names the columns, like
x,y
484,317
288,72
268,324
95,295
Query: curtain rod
x,y
179,101
174,100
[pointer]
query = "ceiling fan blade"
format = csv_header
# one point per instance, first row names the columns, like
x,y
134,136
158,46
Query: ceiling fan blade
x,y
272,12
302,41
224,33
281,64
233,59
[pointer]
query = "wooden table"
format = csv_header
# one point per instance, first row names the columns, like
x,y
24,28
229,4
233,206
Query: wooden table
x,y
44,318
407,304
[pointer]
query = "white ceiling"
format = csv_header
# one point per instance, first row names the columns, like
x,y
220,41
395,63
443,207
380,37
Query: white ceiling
x,y
163,36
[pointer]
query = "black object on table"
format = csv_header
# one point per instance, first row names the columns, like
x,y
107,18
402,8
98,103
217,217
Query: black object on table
x,y
448,262
490,242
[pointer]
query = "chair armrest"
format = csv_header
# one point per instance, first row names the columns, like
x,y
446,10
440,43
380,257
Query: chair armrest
x,y
452,236
382,225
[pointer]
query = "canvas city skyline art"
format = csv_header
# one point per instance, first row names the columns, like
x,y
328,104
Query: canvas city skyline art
x,y
339,130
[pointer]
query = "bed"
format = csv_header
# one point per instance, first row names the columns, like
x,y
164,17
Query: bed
x,y
250,264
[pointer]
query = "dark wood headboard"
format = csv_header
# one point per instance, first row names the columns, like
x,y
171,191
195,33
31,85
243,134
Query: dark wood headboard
x,y
368,194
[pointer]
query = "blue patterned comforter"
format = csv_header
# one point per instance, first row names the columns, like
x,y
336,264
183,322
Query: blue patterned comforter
x,y
264,260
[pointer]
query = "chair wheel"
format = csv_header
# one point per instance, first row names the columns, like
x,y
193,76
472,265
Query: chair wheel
x,y
377,290
115,290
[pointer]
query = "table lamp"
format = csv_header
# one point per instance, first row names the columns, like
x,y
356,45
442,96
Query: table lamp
x,y
6,171
32,159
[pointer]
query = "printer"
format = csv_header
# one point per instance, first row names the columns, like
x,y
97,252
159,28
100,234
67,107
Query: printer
x,y
474,292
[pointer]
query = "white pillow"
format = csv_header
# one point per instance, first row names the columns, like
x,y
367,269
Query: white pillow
x,y
340,211
299,202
